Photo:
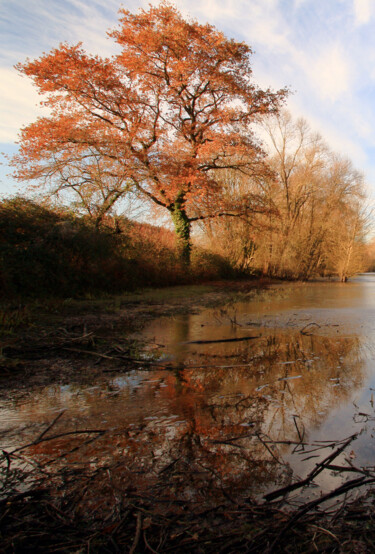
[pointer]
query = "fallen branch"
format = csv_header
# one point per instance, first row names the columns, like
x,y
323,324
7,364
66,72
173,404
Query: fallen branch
x,y
361,481
137,533
60,435
90,352
268,448
238,339
317,469
50,426
303,330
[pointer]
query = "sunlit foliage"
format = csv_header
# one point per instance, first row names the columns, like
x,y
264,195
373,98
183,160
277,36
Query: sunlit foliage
x,y
165,116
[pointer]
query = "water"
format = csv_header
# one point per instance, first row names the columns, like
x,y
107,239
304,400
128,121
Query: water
x,y
240,416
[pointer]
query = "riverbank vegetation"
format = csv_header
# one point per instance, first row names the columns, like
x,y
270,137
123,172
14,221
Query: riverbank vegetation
x,y
54,252
314,222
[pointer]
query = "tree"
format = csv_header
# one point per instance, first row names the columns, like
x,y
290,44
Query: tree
x,y
297,157
233,237
171,110
318,204
92,183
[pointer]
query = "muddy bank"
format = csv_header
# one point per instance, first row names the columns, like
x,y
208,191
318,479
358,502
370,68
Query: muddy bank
x,y
44,341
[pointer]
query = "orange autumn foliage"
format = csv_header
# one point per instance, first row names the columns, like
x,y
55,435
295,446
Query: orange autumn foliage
x,y
170,112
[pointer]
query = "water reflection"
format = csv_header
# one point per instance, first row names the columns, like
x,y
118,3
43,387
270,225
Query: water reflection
x,y
227,421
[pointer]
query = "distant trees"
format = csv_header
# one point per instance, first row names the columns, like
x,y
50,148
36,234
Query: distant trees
x,y
315,222
165,116
320,197
370,255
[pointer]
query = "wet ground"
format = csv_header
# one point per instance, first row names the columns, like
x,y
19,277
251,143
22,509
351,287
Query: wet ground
x,y
237,399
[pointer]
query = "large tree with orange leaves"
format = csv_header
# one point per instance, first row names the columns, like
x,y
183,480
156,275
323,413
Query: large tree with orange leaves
x,y
169,112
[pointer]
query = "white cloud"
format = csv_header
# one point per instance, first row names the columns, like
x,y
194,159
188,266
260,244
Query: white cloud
x,y
258,20
330,73
19,103
337,140
37,26
90,25
29,28
362,11
298,3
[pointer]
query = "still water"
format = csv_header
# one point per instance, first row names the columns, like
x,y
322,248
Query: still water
x,y
241,399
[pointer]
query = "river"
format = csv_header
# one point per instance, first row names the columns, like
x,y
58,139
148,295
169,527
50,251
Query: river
x,y
237,400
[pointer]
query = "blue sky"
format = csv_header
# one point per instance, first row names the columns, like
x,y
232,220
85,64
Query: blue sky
x,y
324,50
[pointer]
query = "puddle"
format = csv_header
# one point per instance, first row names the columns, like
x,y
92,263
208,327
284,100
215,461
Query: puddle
x,y
244,399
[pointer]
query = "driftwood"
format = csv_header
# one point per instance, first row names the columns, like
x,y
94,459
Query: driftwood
x,y
303,331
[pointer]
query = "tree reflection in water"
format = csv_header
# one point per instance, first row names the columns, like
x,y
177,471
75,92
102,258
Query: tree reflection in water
x,y
222,428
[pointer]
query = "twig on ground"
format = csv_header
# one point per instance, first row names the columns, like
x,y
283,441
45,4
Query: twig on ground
x,y
137,533
361,481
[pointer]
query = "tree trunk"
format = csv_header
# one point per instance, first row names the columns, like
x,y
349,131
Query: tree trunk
x,y
182,228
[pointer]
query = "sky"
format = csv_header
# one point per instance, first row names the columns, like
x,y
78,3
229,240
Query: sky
x,y
323,50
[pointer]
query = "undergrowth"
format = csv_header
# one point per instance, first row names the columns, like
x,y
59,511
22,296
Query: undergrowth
x,y
48,252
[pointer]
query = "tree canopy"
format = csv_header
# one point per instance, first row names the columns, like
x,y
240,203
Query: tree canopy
x,y
166,115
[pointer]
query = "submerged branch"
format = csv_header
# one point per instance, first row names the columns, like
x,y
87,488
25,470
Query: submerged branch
x,y
238,339
317,469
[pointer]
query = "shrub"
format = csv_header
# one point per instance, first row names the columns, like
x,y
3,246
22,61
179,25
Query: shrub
x,y
46,252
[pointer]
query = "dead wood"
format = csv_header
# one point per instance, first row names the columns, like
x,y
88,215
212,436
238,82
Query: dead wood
x,y
343,489
237,339
303,330
317,469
